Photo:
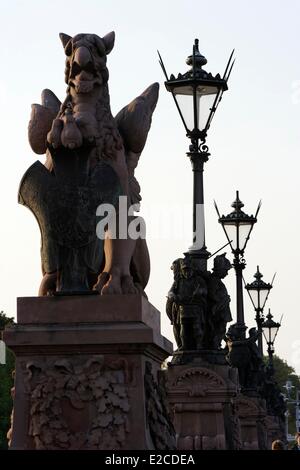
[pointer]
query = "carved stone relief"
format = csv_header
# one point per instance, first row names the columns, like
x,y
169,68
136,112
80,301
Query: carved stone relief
x,y
78,404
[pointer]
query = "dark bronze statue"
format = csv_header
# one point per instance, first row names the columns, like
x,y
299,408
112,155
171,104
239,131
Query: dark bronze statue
x,y
198,304
172,307
270,391
244,354
218,301
186,305
90,160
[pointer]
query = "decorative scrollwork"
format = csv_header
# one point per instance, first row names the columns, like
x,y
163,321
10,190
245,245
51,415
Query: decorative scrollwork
x,y
203,148
242,260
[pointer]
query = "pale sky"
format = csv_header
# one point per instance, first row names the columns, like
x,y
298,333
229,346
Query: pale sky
x,y
254,139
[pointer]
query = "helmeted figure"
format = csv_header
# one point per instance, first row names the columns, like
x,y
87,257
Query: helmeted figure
x,y
218,302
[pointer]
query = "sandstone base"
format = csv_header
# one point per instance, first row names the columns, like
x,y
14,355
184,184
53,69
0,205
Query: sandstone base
x,y
201,398
275,430
86,374
252,416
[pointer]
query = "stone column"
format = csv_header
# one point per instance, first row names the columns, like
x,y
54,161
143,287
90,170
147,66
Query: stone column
x,y
252,416
86,374
201,396
275,430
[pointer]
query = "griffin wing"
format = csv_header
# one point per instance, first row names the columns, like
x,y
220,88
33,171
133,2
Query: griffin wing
x,y
41,119
134,122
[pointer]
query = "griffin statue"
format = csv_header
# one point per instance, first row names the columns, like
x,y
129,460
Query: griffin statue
x,y
91,158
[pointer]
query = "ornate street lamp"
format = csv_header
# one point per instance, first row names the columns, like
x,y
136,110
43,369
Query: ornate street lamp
x,y
237,227
197,95
270,329
258,292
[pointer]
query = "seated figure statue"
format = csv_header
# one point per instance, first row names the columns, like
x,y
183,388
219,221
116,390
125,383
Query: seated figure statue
x,y
243,353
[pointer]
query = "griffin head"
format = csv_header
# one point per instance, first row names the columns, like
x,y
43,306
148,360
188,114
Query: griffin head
x,y
86,60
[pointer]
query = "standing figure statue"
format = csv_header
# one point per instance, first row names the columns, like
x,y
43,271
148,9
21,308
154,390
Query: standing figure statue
x,y
90,161
187,305
172,307
219,302
198,304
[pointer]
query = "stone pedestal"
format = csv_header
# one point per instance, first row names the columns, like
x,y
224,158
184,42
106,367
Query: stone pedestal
x,y
275,430
252,416
201,396
86,373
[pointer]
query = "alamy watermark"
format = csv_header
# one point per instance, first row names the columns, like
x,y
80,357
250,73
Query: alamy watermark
x,y
165,222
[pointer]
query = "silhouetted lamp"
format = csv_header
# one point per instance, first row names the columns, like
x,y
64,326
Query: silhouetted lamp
x,y
270,329
237,227
197,95
258,291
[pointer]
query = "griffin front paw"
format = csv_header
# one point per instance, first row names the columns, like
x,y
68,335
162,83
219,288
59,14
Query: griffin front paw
x,y
54,135
128,286
71,136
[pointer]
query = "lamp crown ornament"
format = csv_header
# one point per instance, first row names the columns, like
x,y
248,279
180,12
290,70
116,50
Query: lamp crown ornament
x,y
237,213
237,203
258,275
269,316
258,284
196,58
270,323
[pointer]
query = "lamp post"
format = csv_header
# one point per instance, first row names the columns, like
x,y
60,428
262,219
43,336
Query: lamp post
x,y
258,291
270,329
290,401
237,227
197,95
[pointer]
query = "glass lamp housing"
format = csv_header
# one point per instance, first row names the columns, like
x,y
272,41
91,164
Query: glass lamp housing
x,y
237,226
197,94
258,290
